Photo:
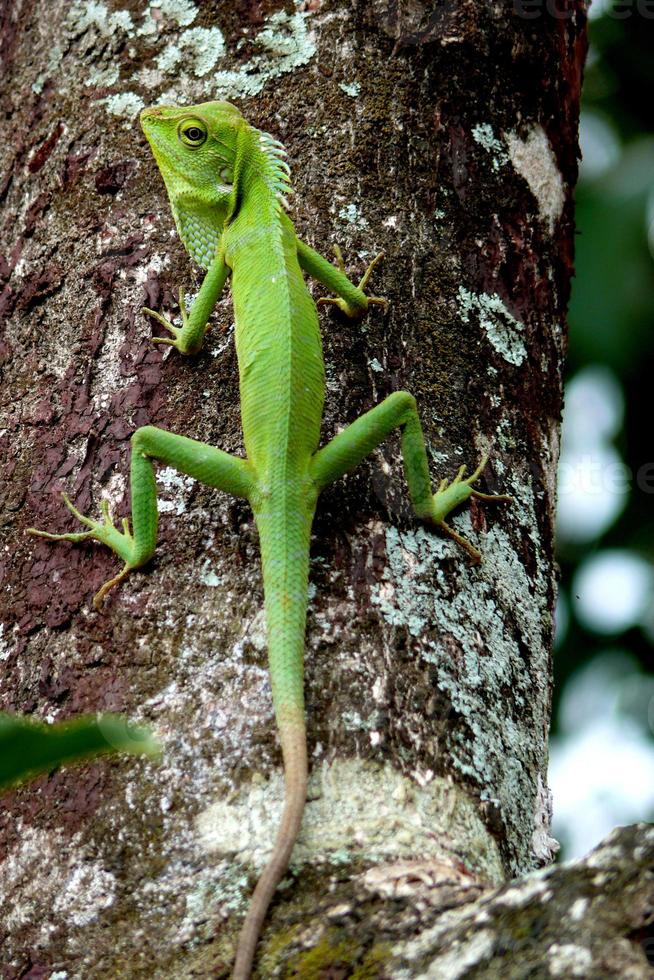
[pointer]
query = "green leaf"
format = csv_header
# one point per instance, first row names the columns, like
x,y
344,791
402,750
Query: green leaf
x,y
29,747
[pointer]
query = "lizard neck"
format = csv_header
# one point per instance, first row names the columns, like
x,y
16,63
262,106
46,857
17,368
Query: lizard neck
x,y
261,176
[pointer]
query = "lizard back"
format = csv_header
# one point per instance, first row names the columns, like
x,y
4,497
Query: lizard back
x,y
278,343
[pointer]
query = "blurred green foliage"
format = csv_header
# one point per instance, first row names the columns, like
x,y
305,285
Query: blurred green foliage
x,y
29,747
612,307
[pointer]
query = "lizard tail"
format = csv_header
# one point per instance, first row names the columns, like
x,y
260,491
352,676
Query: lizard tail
x,y
284,538
295,765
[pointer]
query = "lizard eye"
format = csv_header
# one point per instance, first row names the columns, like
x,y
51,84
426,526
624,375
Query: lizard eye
x,y
192,132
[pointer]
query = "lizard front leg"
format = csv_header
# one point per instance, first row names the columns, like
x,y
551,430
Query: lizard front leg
x,y
189,337
197,459
350,299
348,448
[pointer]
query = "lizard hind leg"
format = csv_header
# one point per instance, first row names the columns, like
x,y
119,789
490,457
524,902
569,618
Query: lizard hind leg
x,y
206,463
399,410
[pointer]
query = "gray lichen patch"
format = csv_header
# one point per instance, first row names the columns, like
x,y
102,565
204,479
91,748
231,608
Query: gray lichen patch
x,y
50,879
124,105
193,57
285,43
570,960
382,815
462,958
533,158
351,215
483,134
501,327
84,14
553,923
182,12
353,89
202,696
544,846
453,621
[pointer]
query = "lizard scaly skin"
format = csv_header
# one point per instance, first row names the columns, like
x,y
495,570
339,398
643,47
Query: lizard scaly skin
x,y
226,182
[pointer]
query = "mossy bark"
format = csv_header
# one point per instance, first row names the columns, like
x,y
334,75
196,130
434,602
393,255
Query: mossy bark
x,y
446,135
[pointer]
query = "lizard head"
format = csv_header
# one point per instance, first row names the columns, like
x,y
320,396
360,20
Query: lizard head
x,y
203,152
194,148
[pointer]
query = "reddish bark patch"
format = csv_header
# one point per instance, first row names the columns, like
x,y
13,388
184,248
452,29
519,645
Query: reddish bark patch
x,y
111,179
36,210
40,287
42,154
12,18
63,412
75,165
74,794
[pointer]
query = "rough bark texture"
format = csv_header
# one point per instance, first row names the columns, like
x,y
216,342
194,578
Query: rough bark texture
x,y
444,134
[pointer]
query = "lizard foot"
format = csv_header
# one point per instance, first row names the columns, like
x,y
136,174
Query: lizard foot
x,y
122,543
451,494
341,303
176,332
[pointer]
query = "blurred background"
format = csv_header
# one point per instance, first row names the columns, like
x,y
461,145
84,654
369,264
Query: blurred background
x,y
602,752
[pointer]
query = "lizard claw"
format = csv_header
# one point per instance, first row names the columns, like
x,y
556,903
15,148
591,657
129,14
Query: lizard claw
x,y
105,531
451,494
370,300
167,325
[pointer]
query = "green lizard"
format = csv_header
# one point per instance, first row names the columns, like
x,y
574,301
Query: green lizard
x,y
226,182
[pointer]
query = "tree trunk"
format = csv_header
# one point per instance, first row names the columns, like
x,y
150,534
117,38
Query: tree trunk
x,y
444,134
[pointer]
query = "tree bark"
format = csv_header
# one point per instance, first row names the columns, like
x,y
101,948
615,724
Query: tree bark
x,y
446,135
